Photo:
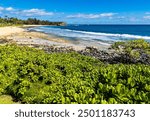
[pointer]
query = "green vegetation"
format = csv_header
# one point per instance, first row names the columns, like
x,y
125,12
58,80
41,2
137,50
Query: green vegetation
x,y
6,99
6,21
32,76
132,44
133,48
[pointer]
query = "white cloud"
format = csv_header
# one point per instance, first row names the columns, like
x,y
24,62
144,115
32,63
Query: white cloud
x,y
6,9
91,16
83,16
146,17
9,9
28,12
107,14
35,12
1,8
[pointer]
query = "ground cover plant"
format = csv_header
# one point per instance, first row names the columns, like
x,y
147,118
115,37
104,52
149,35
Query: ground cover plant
x,y
33,76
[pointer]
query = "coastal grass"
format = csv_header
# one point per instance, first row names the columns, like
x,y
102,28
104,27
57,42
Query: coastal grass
x,y
32,76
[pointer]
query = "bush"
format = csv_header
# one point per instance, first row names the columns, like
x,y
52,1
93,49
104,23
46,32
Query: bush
x,y
33,76
137,50
133,44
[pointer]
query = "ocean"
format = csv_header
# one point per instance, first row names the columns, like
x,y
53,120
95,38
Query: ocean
x,y
97,34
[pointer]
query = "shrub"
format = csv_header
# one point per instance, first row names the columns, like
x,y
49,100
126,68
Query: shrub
x,y
32,76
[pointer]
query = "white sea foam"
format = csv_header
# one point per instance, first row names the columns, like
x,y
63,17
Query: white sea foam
x,y
113,35
89,36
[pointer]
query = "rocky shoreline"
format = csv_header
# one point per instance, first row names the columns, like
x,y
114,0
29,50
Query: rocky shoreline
x,y
110,56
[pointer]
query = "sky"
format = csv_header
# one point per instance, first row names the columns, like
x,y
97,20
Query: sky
x,y
80,11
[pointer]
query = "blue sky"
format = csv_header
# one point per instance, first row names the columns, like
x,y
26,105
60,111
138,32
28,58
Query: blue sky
x,y
80,11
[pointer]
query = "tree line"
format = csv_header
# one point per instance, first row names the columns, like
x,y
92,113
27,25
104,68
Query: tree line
x,y
30,21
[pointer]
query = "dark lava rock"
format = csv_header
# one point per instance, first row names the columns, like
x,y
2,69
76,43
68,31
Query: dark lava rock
x,y
52,49
114,57
111,57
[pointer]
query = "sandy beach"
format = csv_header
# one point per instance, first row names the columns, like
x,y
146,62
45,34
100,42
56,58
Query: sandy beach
x,y
21,36
4,31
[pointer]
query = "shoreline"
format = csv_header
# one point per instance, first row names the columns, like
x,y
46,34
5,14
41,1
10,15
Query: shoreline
x,y
21,36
